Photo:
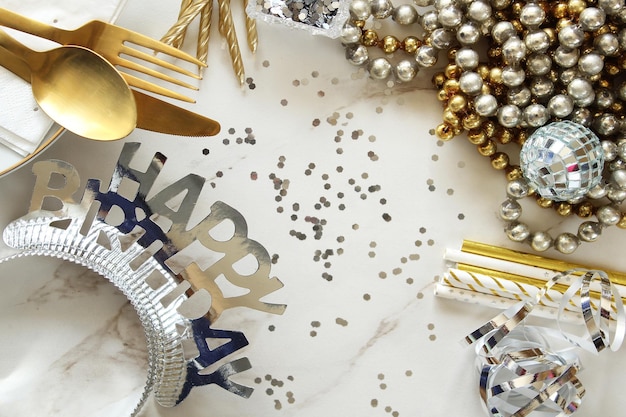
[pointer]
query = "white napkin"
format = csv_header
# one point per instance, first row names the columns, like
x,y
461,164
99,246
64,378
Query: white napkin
x,y
23,125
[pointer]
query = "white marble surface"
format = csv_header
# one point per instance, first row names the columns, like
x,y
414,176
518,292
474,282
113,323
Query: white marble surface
x,y
363,333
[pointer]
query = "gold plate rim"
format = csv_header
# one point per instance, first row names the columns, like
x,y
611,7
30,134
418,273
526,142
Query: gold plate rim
x,y
52,137
46,142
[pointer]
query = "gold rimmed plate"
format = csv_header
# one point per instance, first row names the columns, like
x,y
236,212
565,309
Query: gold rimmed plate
x,y
12,161
63,13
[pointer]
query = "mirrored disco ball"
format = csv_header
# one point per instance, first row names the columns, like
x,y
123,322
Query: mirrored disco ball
x,y
562,160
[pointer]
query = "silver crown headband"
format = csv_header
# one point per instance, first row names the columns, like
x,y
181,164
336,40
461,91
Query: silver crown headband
x,y
166,268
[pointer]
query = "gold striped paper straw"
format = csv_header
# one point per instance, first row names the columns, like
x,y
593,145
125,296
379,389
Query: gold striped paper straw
x,y
523,281
521,258
525,285
488,284
456,286
511,270
521,270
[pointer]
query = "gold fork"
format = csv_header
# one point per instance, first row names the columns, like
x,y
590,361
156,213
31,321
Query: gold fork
x,y
112,42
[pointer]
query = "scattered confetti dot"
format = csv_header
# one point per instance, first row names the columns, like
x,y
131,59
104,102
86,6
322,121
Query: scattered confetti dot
x,y
341,322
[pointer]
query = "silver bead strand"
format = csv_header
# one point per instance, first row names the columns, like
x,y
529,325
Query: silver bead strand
x,y
440,29
589,231
404,14
541,241
566,243
517,232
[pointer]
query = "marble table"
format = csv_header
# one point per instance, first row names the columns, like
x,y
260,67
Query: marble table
x,y
341,179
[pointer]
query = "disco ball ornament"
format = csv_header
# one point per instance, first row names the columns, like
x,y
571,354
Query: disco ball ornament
x,y
562,161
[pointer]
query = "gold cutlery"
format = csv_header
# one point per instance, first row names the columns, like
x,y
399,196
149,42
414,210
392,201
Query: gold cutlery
x,y
79,90
152,114
114,42
159,116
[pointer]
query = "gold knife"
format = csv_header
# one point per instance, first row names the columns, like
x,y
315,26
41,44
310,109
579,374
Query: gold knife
x,y
152,114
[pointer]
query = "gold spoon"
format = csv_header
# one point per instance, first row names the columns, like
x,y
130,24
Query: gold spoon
x,y
79,90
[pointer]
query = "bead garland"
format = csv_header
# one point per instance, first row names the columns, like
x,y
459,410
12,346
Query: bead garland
x,y
441,24
420,53
547,62
358,39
